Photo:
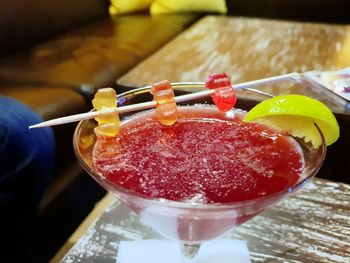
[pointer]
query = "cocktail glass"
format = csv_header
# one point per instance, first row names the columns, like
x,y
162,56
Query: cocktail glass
x,y
190,223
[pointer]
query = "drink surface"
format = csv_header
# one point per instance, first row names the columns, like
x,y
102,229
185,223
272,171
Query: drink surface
x,y
206,157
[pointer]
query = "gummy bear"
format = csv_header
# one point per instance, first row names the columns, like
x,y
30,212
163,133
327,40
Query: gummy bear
x,y
218,80
167,113
224,96
166,110
224,99
108,119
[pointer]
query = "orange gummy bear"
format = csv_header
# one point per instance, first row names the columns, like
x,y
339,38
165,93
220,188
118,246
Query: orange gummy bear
x,y
105,101
166,111
163,85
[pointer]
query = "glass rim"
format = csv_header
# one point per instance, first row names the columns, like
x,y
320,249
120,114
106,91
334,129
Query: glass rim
x,y
191,205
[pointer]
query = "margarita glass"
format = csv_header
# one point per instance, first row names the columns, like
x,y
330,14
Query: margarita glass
x,y
190,222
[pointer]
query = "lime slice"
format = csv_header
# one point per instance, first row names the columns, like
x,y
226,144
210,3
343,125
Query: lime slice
x,y
296,115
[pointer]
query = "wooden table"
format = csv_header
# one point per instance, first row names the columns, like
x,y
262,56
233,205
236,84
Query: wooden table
x,y
248,49
313,225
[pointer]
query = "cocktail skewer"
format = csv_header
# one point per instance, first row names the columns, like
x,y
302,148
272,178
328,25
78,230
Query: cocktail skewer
x,y
178,99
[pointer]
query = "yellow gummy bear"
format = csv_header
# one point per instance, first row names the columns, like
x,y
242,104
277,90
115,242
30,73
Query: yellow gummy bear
x,y
105,101
107,129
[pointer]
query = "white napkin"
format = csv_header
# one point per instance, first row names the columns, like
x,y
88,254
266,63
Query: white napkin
x,y
160,251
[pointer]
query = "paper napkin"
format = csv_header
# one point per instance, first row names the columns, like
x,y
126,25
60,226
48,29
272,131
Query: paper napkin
x,y
160,251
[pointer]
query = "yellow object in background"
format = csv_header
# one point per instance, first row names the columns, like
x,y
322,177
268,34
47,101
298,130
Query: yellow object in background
x,y
126,6
167,6
187,6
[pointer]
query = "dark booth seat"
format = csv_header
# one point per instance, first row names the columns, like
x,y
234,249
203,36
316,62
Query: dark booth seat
x,y
95,55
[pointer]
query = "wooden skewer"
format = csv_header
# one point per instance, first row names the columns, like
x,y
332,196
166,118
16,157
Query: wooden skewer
x,y
178,99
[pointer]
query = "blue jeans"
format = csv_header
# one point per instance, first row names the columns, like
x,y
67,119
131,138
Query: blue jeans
x,y
26,163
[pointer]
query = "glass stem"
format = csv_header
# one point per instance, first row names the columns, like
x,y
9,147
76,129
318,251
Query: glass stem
x,y
189,252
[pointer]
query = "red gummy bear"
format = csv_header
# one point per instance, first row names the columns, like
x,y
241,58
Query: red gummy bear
x,y
224,96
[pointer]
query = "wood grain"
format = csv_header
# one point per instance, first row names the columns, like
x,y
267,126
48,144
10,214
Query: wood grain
x,y
248,49
312,225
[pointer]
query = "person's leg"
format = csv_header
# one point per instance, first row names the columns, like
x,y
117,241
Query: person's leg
x,y
26,162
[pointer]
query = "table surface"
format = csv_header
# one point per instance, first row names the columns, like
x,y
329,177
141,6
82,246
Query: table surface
x,y
248,49
312,225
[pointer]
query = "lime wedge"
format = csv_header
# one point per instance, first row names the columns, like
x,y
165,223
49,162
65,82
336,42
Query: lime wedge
x,y
296,114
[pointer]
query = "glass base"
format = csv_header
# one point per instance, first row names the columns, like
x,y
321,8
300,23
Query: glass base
x,y
189,252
